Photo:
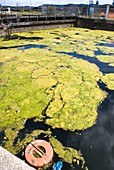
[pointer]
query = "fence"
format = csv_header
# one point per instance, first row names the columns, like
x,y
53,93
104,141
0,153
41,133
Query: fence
x,y
99,11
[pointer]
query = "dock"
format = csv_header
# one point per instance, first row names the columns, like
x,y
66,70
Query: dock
x,y
10,162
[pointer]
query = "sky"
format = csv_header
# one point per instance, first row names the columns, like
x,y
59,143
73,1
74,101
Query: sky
x,y
40,2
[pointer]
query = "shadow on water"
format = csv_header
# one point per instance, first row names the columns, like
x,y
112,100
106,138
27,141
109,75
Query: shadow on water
x,y
104,67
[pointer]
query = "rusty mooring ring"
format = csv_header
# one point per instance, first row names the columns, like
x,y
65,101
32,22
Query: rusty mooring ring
x,y
39,153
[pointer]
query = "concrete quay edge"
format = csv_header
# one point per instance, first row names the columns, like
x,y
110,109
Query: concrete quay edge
x,y
10,162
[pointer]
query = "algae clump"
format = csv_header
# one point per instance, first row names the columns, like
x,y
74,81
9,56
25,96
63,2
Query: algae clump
x,y
109,80
41,82
52,86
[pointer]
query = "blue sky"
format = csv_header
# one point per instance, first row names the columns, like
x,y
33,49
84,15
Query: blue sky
x,y
39,2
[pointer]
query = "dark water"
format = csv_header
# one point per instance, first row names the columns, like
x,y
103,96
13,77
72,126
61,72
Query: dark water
x,y
25,47
57,42
60,134
100,52
13,37
29,127
104,67
2,135
106,44
96,143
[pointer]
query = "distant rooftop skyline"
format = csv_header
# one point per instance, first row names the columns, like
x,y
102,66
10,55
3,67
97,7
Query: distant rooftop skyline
x,y
40,2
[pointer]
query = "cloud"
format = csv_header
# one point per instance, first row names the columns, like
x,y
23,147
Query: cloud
x,y
39,2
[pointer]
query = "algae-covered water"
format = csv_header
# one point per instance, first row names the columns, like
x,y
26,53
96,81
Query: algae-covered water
x,y
59,87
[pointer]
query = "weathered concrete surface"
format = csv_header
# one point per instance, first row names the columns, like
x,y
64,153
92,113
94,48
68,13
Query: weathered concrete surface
x,y
95,23
23,28
10,162
50,23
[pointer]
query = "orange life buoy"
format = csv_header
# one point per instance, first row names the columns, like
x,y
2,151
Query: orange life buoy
x,y
39,153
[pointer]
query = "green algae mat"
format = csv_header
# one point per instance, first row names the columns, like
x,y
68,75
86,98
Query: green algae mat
x,y
52,87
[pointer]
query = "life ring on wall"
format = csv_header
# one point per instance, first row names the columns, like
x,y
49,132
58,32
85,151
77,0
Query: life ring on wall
x,y
39,153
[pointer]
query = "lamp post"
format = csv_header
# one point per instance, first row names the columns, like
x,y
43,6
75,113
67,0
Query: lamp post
x,y
107,11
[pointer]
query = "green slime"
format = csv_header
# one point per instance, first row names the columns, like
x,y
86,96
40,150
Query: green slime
x,y
56,87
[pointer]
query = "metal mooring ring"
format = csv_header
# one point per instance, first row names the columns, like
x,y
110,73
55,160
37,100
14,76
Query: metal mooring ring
x,y
39,153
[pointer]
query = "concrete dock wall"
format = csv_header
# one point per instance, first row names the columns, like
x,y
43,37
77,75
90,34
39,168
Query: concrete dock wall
x,y
49,23
95,23
10,162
